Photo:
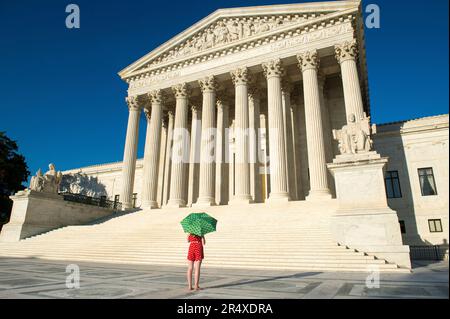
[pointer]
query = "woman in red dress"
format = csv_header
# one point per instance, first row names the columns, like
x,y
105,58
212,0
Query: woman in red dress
x,y
195,257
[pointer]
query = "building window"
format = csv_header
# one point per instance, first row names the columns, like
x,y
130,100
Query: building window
x,y
426,179
402,226
134,199
435,225
392,183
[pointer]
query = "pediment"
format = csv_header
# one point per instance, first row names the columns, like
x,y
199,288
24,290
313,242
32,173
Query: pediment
x,y
226,28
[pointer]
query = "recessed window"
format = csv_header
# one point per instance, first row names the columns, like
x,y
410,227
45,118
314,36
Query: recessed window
x,y
134,199
435,225
402,226
427,184
392,184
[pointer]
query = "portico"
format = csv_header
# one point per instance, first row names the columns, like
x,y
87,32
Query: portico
x,y
232,78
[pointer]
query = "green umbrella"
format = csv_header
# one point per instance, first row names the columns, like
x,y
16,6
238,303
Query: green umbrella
x,y
199,224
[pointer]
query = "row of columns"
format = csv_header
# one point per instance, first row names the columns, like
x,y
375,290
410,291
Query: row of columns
x,y
284,181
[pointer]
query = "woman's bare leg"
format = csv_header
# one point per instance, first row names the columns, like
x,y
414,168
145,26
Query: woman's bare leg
x,y
189,274
198,263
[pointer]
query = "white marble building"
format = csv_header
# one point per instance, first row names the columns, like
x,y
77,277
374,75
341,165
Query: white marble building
x,y
291,76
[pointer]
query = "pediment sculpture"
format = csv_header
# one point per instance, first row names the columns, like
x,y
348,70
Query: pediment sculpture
x,y
228,30
49,182
355,136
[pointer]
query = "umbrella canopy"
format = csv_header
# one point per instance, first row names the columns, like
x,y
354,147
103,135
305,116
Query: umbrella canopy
x,y
199,224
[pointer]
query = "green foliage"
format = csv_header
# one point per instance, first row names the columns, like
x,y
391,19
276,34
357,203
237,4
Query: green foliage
x,y
13,172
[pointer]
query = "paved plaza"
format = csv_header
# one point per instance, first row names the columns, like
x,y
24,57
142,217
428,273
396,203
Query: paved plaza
x,y
35,278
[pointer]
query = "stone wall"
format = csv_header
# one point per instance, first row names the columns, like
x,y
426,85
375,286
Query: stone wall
x,y
34,213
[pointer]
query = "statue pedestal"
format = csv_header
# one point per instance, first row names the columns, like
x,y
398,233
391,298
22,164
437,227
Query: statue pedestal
x,y
363,220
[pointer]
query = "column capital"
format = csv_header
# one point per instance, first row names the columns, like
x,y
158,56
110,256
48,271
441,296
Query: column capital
x,y
208,84
240,76
134,103
147,112
308,60
181,90
195,108
347,50
273,68
156,96
286,86
222,100
254,92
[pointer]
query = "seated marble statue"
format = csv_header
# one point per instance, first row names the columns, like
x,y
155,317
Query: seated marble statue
x,y
49,182
354,137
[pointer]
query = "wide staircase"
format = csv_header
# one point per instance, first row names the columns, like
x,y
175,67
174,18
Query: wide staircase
x,y
292,236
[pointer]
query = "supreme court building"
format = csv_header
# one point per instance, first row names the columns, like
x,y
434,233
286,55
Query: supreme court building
x,y
270,105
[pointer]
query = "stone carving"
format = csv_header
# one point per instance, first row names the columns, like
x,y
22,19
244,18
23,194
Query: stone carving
x,y
48,183
346,50
354,137
181,90
209,83
273,68
308,60
240,76
228,30
132,102
156,96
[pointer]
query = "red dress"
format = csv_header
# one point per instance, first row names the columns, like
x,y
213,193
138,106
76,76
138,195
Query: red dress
x,y
195,252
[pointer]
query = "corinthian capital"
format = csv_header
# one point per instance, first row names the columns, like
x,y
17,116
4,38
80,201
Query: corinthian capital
x,y
134,102
286,86
156,96
240,76
253,92
181,90
222,100
346,50
208,84
273,68
308,60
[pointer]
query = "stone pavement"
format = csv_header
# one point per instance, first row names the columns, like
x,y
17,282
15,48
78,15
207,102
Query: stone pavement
x,y
35,278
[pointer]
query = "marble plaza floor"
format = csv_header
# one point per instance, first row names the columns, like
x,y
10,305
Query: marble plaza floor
x,y
34,278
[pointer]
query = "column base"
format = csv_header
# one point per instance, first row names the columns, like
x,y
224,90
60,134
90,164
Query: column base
x,y
204,202
149,205
319,195
176,203
240,199
278,198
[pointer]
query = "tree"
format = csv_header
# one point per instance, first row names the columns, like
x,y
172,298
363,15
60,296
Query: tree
x,y
13,172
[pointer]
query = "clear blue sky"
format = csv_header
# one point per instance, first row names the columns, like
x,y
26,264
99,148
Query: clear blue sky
x,y
62,100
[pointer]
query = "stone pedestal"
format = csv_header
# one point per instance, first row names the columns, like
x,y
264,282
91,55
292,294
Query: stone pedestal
x,y
363,220
34,213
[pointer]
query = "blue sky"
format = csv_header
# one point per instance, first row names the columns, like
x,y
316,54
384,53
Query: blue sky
x,y
62,100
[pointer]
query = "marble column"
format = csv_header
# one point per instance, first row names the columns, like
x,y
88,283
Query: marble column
x,y
194,156
162,160
346,54
168,158
206,196
327,133
309,64
130,151
295,125
286,90
273,71
180,148
221,149
151,159
240,78
254,102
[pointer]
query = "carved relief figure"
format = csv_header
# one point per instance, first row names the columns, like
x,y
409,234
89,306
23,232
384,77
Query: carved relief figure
x,y
221,33
233,31
354,137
